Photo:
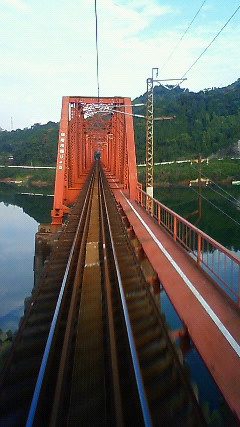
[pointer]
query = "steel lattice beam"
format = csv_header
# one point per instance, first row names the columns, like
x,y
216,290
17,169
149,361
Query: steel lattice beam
x,y
88,125
149,129
149,138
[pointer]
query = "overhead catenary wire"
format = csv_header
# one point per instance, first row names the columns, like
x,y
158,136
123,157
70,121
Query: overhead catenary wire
x,y
183,203
219,209
226,192
96,40
226,198
185,32
222,189
211,42
124,113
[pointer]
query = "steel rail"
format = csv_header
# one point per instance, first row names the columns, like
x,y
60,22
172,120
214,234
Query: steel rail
x,y
135,361
112,335
28,313
68,301
70,320
37,391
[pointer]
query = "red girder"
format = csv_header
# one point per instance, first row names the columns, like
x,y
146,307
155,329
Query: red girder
x,y
89,125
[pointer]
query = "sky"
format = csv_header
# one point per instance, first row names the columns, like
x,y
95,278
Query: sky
x,y
48,50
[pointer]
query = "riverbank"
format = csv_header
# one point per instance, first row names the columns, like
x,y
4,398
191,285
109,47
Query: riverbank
x,y
25,176
222,171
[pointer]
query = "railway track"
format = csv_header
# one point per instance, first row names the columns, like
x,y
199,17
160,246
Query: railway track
x,y
92,348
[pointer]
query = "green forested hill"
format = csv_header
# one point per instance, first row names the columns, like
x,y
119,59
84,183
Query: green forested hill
x,y
36,146
207,122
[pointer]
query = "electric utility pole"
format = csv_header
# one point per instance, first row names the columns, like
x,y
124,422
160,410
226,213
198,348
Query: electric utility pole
x,y
199,182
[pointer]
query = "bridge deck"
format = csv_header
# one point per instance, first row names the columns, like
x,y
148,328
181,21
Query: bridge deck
x,y
202,306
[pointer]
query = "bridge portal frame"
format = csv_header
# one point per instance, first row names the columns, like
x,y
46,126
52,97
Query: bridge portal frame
x,y
87,125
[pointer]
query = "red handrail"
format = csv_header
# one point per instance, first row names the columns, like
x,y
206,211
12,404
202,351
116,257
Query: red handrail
x,y
222,264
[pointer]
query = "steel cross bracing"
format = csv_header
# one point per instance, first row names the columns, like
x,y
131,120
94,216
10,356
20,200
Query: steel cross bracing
x,y
89,126
96,331
149,127
149,138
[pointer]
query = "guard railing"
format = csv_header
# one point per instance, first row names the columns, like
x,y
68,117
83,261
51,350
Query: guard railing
x,y
222,264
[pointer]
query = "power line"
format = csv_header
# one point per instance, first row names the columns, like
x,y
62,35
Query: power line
x,y
185,32
226,198
226,192
219,32
222,189
211,203
182,203
96,39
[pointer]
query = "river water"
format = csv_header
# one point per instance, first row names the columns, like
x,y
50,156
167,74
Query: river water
x,y
221,220
20,215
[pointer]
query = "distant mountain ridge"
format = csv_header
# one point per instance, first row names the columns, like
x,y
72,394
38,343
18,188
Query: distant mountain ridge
x,y
207,122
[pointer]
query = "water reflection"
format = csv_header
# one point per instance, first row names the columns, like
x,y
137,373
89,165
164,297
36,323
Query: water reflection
x,y
19,218
225,231
208,392
36,206
220,227
17,232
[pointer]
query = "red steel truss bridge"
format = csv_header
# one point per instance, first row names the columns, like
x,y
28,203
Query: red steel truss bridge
x,y
93,348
